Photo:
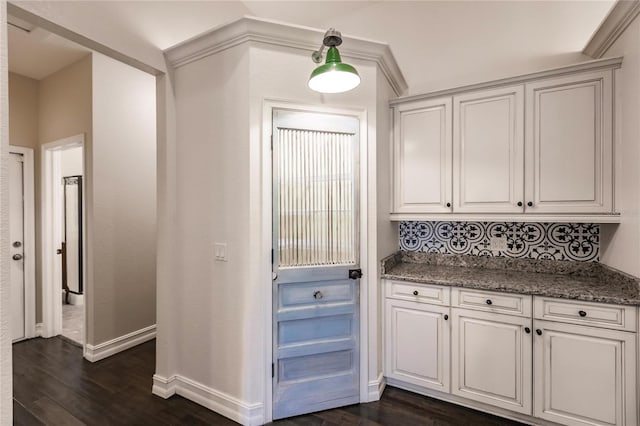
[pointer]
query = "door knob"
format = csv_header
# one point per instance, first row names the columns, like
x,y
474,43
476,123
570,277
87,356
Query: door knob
x,y
355,274
17,256
318,295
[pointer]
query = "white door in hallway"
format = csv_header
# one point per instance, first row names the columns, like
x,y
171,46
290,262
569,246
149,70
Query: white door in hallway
x,y
16,234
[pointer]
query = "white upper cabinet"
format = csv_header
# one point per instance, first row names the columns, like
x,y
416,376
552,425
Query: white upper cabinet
x,y
537,147
488,151
569,144
422,157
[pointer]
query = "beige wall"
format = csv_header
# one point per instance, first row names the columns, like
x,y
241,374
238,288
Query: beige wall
x,y
64,110
620,246
23,111
121,202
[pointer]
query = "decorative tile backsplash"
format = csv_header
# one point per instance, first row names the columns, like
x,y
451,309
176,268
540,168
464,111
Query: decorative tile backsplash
x,y
557,241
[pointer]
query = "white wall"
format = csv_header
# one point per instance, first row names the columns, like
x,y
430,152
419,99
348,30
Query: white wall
x,y
71,161
620,245
121,202
6,402
218,324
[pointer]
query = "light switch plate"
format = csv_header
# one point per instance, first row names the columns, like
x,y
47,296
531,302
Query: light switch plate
x,y
220,251
498,244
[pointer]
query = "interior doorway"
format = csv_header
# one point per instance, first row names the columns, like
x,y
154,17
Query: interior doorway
x,y
63,236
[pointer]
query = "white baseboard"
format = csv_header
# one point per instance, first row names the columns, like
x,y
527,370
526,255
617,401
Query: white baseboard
x,y
39,329
376,388
220,402
100,351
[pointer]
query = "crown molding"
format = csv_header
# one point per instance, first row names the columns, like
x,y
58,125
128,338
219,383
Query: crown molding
x,y
597,64
251,29
618,19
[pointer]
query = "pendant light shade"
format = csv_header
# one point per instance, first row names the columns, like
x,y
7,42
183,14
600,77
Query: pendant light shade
x,y
334,76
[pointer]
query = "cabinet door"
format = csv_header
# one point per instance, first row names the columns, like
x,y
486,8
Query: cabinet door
x,y
491,359
422,157
585,375
569,144
488,151
417,344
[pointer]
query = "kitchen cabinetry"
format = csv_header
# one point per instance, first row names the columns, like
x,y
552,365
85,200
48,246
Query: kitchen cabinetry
x,y
586,373
422,156
488,151
491,348
489,167
417,335
565,361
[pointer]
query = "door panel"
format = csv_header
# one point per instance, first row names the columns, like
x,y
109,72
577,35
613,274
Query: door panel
x,y
16,235
315,229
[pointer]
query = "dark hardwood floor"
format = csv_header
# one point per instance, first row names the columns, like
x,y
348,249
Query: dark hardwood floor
x,y
53,385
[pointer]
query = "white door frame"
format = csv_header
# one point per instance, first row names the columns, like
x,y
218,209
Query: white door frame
x,y
29,239
51,211
267,240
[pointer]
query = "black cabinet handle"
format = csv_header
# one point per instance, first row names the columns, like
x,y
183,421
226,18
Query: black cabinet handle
x,y
538,332
530,204
448,204
489,302
415,292
527,330
519,203
446,317
582,313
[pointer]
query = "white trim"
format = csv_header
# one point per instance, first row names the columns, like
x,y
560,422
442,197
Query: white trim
x,y
38,330
103,350
366,281
29,239
376,388
220,402
252,29
51,211
496,217
598,64
619,18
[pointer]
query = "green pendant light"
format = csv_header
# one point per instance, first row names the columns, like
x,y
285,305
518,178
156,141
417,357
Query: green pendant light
x,y
334,76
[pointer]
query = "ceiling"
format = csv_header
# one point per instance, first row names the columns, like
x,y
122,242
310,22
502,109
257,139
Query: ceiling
x,y
437,44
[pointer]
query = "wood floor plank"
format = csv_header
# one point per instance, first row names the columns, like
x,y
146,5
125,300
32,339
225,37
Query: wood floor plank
x,y
54,385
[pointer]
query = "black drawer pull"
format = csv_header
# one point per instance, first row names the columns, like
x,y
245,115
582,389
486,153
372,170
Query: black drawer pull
x,y
527,330
538,332
446,317
415,292
582,313
489,302
530,204
519,203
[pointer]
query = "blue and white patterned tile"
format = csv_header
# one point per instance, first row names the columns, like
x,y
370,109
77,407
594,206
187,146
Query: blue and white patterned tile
x,y
557,241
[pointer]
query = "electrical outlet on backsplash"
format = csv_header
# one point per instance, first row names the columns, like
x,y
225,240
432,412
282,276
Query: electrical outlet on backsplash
x,y
556,241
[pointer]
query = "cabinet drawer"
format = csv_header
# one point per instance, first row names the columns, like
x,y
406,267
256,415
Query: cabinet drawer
x,y
617,317
512,304
423,293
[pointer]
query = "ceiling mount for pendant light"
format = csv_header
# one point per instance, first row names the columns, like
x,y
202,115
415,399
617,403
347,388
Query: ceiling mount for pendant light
x,y
334,76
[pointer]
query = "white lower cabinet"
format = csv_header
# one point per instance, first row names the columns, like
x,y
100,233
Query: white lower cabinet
x,y
491,359
417,344
562,361
584,375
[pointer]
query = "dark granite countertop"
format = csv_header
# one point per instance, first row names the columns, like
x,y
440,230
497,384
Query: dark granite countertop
x,y
588,281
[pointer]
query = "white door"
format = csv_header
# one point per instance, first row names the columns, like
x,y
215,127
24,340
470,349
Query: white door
x,y
422,157
488,151
316,234
491,359
585,375
417,344
16,235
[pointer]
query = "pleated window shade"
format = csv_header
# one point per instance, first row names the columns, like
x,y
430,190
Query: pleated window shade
x,y
317,209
